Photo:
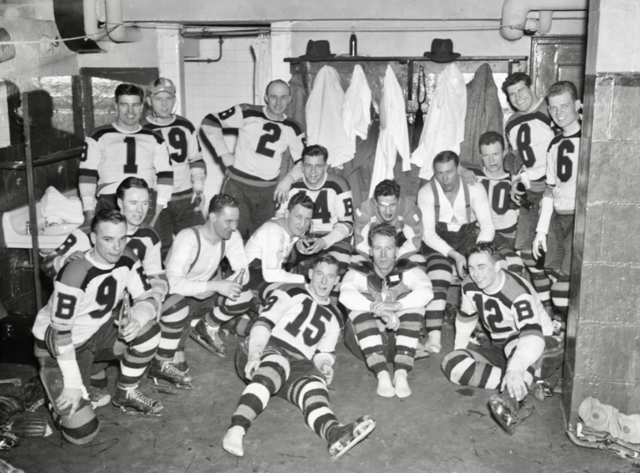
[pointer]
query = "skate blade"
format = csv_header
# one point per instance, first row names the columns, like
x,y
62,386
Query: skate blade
x,y
163,383
201,342
136,413
359,433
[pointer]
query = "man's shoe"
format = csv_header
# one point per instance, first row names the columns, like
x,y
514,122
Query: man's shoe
x,y
165,371
343,438
209,337
132,398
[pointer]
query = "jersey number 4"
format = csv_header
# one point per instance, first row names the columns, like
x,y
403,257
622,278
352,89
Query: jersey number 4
x,y
313,323
272,135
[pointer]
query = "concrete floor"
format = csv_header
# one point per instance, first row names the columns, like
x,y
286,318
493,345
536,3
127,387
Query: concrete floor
x,y
440,428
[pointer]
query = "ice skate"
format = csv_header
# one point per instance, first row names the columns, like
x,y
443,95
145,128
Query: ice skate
x,y
139,403
209,337
169,374
345,437
508,412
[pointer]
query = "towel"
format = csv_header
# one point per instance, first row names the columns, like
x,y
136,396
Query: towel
x,y
394,135
356,110
444,127
324,117
58,209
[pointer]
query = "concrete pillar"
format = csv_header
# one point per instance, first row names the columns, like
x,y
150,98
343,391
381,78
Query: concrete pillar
x,y
603,343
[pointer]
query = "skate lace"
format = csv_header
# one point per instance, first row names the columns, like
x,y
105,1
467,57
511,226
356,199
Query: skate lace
x,y
171,370
213,333
135,394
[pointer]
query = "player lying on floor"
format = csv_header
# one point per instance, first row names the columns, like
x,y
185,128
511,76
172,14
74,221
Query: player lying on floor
x,y
290,353
522,349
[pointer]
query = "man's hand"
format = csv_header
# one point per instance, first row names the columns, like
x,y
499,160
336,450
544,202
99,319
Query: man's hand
x,y
69,397
468,176
253,363
390,319
301,247
159,208
327,371
281,194
516,194
228,159
198,200
461,264
88,218
539,245
381,306
514,383
227,288
317,246
75,255
131,329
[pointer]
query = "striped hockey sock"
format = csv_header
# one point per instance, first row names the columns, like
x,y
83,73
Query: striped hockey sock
x,y
310,394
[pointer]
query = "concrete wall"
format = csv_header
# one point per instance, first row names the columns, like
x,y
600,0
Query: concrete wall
x,y
604,320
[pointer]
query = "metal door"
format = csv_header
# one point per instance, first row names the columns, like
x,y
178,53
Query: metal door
x,y
557,58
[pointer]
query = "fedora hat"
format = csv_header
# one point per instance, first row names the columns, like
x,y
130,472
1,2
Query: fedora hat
x,y
441,51
317,50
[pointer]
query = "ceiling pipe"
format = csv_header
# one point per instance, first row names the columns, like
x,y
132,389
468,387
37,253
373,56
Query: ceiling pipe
x,y
114,29
514,15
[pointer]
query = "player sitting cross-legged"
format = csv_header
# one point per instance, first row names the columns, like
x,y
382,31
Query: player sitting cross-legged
x,y
290,353
522,349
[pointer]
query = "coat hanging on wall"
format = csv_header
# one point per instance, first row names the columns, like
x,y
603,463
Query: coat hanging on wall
x,y
444,127
418,122
484,113
356,110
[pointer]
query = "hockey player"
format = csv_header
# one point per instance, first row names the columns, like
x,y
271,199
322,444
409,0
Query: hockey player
x,y
76,328
120,150
385,294
192,270
520,329
133,200
290,353
497,183
332,223
265,136
387,206
189,171
456,215
554,233
529,131
270,246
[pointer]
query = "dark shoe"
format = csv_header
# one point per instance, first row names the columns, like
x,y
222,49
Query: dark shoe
x,y
132,398
165,371
209,337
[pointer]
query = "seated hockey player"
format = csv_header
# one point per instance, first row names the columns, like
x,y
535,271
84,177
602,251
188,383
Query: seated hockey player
x,y
522,349
270,246
497,182
76,328
332,223
386,300
290,353
193,267
133,199
388,206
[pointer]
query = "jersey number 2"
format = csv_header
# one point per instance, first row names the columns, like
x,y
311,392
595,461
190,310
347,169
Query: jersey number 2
x,y
272,135
489,310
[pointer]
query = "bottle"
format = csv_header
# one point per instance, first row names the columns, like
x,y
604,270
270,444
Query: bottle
x,y
353,43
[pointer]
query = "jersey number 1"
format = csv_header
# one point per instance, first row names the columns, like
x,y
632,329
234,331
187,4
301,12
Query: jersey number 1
x,y
315,327
131,167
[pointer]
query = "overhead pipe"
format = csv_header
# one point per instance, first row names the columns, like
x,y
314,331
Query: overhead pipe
x,y
514,15
114,29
